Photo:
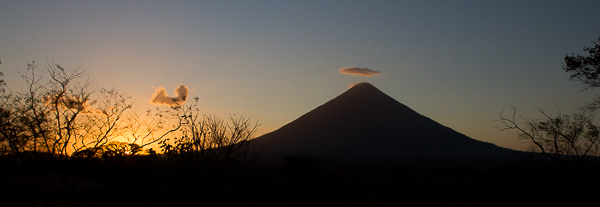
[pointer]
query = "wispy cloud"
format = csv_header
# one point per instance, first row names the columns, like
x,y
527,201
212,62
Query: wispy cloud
x,y
160,96
366,72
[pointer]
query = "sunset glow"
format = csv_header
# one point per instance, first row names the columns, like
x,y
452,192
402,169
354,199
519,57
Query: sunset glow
x,y
299,103
457,62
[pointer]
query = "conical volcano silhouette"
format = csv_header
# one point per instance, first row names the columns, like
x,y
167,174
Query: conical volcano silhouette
x,y
364,123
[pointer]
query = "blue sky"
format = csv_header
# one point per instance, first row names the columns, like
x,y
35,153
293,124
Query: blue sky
x,y
457,62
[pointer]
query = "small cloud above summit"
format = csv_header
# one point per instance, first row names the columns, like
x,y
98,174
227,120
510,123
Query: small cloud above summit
x,y
160,96
366,72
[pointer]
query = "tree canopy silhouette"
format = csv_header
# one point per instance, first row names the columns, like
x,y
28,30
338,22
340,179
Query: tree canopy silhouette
x,y
585,68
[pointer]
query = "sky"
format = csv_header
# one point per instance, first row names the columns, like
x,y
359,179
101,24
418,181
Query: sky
x,y
460,63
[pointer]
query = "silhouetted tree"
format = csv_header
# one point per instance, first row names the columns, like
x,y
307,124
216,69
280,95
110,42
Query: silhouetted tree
x,y
113,149
4,98
119,149
585,68
2,83
54,119
209,138
559,137
562,136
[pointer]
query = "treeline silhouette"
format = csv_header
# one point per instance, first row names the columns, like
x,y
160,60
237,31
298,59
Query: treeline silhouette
x,y
61,119
58,128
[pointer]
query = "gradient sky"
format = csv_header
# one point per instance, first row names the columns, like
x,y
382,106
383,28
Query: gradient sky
x,y
457,62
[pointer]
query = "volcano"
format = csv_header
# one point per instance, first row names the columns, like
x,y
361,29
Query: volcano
x,y
366,124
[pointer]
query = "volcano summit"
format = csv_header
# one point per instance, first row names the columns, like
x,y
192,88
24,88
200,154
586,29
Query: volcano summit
x,y
365,124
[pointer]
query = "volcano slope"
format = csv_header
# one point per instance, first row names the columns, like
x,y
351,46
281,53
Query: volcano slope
x,y
365,124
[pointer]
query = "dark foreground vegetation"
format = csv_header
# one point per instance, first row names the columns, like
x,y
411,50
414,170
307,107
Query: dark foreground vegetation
x,y
301,181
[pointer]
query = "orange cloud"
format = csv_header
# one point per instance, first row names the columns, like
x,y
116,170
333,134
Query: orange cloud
x,y
366,72
160,96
